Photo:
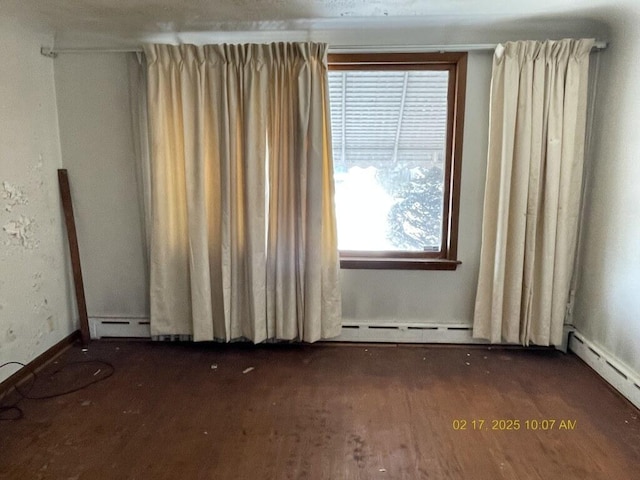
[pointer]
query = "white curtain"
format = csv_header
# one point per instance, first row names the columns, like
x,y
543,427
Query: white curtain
x,y
532,194
242,237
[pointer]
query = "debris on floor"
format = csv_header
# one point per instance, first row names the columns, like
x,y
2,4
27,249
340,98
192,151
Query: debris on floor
x,y
247,370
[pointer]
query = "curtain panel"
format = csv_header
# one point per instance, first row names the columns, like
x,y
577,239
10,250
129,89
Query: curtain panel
x,y
533,189
243,241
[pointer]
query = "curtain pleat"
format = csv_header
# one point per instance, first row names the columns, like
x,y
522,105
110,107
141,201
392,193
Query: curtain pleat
x,y
243,241
302,279
532,194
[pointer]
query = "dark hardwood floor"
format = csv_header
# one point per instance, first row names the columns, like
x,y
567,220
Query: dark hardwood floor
x,y
187,411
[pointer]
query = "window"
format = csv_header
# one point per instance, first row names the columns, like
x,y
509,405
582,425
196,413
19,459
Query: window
x,y
396,122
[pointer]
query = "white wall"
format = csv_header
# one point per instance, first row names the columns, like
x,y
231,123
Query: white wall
x,y
607,307
35,310
98,151
95,132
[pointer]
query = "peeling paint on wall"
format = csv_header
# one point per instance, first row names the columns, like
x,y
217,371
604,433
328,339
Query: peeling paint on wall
x,y
12,196
37,282
38,166
35,293
41,306
20,232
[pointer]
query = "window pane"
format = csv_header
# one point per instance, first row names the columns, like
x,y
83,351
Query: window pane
x,y
389,146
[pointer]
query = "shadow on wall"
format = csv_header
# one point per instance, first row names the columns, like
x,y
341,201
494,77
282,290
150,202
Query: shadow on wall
x,y
609,277
591,23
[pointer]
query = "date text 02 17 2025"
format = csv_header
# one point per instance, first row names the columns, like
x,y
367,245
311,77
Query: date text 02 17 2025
x,y
512,425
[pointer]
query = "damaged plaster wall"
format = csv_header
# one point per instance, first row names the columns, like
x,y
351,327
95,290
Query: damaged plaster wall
x,y
35,298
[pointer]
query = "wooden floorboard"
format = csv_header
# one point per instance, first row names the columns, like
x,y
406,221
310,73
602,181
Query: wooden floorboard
x,y
322,412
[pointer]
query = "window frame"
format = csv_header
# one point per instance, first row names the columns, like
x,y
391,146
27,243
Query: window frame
x,y
456,64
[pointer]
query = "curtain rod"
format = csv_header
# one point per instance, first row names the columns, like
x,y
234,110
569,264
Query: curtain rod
x,y
54,52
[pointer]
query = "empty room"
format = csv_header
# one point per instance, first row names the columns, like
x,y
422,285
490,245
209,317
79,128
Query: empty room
x,y
319,239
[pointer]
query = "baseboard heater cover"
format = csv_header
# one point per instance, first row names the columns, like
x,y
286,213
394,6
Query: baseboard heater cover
x,y
138,327
381,332
406,333
611,370
119,327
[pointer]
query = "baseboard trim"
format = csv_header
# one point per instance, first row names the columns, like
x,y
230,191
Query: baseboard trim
x,y
607,366
37,363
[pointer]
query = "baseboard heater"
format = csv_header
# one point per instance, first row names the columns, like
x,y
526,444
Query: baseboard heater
x,y
407,333
382,332
617,375
386,332
119,327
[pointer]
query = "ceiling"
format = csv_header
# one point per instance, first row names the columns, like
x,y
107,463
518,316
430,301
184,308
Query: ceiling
x,y
119,22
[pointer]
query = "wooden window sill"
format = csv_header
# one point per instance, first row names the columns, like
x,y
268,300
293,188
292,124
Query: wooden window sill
x,y
371,263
